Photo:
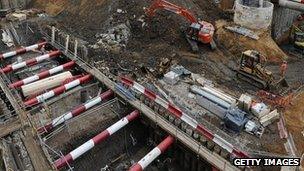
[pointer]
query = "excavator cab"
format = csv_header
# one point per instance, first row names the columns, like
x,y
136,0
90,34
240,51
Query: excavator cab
x,y
192,36
250,59
194,30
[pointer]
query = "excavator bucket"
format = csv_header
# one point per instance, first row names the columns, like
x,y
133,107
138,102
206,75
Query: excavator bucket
x,y
279,85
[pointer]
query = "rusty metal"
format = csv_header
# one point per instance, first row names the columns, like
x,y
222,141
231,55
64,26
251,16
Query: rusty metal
x,y
275,100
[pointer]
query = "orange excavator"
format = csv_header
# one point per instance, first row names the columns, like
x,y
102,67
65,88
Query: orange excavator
x,y
198,31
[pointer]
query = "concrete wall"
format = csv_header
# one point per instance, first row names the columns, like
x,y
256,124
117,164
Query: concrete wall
x,y
282,21
251,16
13,4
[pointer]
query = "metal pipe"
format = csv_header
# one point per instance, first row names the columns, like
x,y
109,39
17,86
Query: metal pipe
x,y
30,62
21,50
175,111
219,94
73,155
42,75
299,1
75,112
195,89
152,155
57,91
292,5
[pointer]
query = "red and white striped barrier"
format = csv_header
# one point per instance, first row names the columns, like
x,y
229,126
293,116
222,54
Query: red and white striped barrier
x,y
21,50
42,75
298,1
57,91
152,155
29,62
75,112
63,161
185,118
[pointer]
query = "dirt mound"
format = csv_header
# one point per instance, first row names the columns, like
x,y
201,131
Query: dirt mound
x,y
294,117
236,43
53,8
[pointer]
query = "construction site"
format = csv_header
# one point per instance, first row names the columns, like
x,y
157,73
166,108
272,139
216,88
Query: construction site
x,y
169,85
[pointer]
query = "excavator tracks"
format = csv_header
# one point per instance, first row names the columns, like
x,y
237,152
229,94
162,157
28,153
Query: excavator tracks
x,y
252,80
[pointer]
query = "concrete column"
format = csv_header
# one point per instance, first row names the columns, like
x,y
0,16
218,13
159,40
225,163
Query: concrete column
x,y
67,43
53,34
187,164
261,3
84,52
193,163
83,96
75,48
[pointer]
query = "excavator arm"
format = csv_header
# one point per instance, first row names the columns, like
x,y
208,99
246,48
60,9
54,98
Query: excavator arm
x,y
162,4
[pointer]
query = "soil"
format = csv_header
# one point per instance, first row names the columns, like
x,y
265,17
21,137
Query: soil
x,y
294,117
237,44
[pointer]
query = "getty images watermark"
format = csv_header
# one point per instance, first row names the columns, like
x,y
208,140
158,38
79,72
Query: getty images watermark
x,y
267,162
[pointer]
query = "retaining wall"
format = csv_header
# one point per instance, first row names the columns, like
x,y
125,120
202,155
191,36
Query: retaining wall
x,y
251,16
283,18
13,4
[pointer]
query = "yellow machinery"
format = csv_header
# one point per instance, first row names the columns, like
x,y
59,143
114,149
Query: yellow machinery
x,y
251,69
298,37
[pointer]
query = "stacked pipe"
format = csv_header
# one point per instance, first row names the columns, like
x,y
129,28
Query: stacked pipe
x,y
42,75
173,110
22,50
152,155
57,91
210,96
67,159
30,62
75,112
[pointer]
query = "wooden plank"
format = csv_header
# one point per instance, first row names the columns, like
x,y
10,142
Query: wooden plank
x,y
7,128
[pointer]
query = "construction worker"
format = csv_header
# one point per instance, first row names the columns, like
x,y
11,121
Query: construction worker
x,y
283,68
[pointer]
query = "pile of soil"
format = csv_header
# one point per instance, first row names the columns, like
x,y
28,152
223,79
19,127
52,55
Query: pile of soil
x,y
237,43
294,117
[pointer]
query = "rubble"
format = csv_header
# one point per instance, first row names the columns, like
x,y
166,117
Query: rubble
x,y
7,39
171,77
115,39
243,31
259,109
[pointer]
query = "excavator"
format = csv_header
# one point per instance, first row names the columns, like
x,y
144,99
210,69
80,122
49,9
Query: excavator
x,y
252,70
198,31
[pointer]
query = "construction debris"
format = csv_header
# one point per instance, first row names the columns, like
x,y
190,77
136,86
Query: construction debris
x,y
115,38
123,56
7,39
269,118
243,31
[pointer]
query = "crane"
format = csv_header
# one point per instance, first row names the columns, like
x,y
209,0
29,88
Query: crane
x,y
198,31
